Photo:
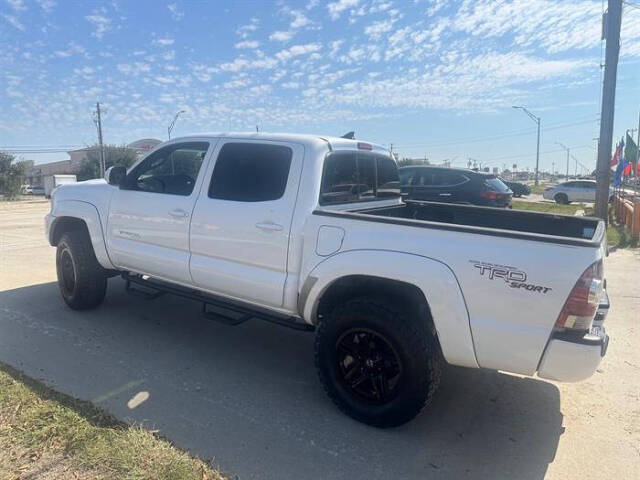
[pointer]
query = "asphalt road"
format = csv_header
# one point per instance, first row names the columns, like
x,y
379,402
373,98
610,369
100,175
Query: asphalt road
x,y
247,397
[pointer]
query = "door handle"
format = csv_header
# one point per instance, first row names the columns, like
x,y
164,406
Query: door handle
x,y
178,213
444,194
269,226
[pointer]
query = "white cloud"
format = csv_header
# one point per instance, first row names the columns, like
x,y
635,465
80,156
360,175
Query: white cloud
x,y
245,30
281,36
336,8
176,12
17,5
135,68
299,19
13,21
248,44
297,50
166,41
100,21
312,4
47,5
376,29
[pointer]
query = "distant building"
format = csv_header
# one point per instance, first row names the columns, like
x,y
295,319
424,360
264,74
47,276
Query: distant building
x,y
35,175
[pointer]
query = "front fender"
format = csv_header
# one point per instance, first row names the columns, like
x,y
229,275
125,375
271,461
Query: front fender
x,y
89,214
435,279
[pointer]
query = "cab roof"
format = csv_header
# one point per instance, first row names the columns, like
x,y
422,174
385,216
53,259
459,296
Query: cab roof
x,y
334,143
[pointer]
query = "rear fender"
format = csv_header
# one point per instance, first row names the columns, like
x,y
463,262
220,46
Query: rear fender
x,y
89,214
435,279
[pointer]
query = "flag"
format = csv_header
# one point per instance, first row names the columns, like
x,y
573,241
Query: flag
x,y
617,154
617,180
631,150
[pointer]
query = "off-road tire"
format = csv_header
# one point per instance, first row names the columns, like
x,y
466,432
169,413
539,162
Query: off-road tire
x,y
412,338
81,279
561,198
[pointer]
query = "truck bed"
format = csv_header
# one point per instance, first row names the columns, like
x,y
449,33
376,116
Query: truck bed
x,y
586,231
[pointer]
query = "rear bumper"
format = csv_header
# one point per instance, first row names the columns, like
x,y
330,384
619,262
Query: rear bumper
x,y
572,359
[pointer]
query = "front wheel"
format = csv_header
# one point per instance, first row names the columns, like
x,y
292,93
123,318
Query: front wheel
x,y
378,363
81,279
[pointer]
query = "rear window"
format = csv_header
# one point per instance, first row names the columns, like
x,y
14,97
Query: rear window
x,y
358,177
496,184
250,172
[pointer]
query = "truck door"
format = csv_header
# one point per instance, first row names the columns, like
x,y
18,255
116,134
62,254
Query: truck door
x,y
148,224
242,219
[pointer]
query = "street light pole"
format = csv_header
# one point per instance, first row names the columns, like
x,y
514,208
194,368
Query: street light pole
x,y
567,149
175,119
537,120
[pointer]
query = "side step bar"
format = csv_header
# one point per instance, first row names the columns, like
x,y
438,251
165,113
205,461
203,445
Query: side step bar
x,y
214,307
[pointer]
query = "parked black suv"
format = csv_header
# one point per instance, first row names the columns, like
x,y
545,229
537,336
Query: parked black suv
x,y
454,185
518,189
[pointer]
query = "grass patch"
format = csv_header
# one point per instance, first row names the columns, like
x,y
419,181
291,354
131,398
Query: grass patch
x,y
548,207
51,433
538,189
619,236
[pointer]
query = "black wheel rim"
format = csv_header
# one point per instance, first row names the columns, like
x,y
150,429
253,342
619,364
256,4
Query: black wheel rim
x,y
368,365
67,272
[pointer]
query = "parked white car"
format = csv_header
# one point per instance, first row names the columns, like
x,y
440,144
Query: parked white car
x,y
312,233
573,191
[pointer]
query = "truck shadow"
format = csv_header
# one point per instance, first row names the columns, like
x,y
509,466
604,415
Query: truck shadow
x,y
247,397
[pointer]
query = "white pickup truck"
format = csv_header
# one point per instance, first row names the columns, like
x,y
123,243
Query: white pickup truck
x,y
311,232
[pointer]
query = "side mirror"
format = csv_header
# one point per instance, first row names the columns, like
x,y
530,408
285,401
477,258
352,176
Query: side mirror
x,y
115,175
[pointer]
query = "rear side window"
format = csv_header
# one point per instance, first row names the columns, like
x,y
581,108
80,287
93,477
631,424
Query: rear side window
x,y
388,182
496,184
356,176
250,172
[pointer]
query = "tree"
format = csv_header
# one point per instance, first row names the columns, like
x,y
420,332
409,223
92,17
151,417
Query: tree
x,y
11,174
404,162
113,155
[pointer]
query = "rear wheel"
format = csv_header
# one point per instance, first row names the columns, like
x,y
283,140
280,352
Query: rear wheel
x,y
81,279
561,198
376,362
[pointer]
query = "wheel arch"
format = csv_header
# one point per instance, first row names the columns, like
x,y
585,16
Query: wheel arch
x,y
425,284
71,215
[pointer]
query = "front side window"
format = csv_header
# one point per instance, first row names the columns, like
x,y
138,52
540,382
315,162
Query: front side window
x,y
171,170
356,176
250,172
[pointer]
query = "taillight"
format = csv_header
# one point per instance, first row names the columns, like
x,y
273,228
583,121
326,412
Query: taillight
x,y
581,306
489,195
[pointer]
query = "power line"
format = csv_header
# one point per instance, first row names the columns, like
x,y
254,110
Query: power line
x,y
517,133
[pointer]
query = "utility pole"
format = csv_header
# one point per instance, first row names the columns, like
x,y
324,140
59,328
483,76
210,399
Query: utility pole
x,y
537,120
567,149
612,21
99,125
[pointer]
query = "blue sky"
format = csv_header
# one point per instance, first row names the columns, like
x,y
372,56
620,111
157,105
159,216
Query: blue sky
x,y
433,77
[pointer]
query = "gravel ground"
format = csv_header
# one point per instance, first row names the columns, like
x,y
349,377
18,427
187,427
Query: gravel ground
x,y
247,397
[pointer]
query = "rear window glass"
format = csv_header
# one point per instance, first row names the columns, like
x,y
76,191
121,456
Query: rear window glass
x,y
250,172
496,184
356,176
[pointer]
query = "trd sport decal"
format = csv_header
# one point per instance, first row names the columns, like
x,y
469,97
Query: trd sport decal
x,y
512,277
